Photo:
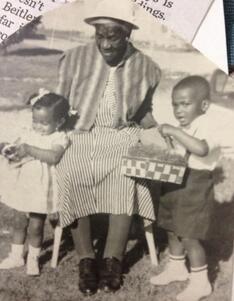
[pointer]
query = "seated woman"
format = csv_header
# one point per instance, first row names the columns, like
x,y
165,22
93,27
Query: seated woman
x,y
111,84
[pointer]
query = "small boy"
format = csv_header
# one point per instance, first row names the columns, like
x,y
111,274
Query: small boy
x,y
185,210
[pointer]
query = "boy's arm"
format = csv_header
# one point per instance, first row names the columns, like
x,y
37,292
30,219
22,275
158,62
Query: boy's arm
x,y
50,156
192,144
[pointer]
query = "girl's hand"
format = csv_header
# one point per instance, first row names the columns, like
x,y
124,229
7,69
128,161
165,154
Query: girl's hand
x,y
9,151
54,218
22,150
167,130
2,146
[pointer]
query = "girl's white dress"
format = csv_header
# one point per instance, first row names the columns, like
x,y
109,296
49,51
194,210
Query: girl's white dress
x,y
30,185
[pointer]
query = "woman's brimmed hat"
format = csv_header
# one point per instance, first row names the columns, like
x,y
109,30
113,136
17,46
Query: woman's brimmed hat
x,y
118,11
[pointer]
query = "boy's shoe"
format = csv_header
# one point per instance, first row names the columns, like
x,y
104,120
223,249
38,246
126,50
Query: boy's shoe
x,y
11,262
192,293
174,271
198,288
33,266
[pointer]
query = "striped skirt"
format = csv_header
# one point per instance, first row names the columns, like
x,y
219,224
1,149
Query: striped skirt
x,y
90,180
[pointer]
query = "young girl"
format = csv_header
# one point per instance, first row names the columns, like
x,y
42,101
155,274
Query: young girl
x,y
185,210
28,185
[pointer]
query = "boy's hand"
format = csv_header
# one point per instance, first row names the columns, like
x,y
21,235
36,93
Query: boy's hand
x,y
167,130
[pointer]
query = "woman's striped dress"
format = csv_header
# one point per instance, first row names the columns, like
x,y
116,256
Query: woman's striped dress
x,y
89,174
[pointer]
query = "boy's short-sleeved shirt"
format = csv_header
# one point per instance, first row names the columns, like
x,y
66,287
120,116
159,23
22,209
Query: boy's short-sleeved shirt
x,y
203,129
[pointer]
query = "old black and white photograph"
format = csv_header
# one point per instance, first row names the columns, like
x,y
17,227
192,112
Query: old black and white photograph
x,y
116,160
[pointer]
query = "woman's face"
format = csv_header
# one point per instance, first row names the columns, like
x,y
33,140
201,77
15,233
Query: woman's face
x,y
112,42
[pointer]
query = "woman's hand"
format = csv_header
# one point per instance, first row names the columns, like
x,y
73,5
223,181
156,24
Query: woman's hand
x,y
167,130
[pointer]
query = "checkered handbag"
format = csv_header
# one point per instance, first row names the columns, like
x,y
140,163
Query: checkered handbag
x,y
152,169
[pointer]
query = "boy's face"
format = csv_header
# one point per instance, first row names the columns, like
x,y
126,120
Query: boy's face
x,y
187,105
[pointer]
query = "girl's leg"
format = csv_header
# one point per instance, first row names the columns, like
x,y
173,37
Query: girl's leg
x,y
36,229
175,269
199,285
35,234
20,226
15,258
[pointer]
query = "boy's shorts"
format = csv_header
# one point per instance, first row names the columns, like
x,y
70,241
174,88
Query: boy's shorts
x,y
187,209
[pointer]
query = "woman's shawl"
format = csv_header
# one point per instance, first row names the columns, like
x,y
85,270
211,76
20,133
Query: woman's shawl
x,y
82,79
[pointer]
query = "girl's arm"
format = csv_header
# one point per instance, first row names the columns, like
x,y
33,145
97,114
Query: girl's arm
x,y
49,156
192,144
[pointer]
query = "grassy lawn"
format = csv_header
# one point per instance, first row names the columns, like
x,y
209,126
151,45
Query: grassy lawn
x,y
22,73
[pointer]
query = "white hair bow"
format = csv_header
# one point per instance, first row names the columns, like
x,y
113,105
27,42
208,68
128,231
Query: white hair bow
x,y
72,112
41,92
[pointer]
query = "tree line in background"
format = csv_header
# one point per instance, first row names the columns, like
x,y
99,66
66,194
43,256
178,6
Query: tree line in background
x,y
28,31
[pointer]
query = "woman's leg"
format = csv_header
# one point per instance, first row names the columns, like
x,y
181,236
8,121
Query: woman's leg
x,y
35,233
82,237
117,236
199,285
175,269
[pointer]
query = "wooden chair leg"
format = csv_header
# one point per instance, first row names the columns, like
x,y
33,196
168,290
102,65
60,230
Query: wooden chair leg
x,y
57,240
233,272
151,245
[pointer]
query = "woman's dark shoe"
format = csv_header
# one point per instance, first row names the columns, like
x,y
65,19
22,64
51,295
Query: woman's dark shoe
x,y
110,274
88,283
